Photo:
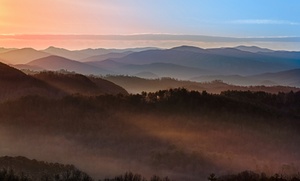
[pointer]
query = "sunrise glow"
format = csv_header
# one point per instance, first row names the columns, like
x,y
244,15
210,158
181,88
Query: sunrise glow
x,y
230,18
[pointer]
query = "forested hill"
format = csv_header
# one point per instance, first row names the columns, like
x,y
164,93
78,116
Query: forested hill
x,y
15,84
24,169
183,134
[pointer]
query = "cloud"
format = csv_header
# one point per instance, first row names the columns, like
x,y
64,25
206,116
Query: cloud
x,y
147,37
264,22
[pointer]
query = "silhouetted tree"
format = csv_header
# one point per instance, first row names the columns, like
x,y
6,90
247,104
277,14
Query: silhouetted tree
x,y
212,177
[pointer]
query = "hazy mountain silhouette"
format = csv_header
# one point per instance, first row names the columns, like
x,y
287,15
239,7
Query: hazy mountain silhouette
x,y
253,49
159,69
22,56
289,77
73,55
102,51
109,65
290,57
165,70
216,60
183,62
285,78
147,75
189,49
103,57
79,84
58,63
3,50
138,85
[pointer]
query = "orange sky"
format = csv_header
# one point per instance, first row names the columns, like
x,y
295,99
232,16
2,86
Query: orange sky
x,y
230,18
57,17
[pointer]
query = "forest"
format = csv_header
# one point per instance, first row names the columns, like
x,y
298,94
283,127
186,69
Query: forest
x,y
182,134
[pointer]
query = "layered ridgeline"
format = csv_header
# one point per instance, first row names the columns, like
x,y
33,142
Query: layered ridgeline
x,y
177,133
238,65
134,84
15,84
185,134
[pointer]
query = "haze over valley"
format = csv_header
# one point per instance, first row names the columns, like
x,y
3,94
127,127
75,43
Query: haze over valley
x,y
127,90
240,65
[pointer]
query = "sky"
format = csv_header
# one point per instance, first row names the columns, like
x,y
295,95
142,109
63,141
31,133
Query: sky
x,y
218,18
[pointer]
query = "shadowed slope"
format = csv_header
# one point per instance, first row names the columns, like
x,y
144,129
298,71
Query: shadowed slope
x,y
79,84
38,170
15,83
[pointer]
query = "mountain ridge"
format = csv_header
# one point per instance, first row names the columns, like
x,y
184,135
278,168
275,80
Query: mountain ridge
x,y
55,63
22,56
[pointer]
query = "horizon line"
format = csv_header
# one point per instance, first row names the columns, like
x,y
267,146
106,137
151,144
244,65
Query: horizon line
x,y
151,36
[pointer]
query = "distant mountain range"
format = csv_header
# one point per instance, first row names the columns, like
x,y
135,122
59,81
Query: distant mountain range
x,y
224,60
22,56
92,54
242,65
286,78
253,49
15,84
138,85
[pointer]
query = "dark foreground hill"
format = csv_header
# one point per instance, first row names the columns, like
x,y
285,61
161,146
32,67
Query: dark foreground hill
x,y
15,83
23,169
72,83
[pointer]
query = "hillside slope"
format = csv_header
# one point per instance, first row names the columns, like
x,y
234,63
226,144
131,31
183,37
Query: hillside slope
x,y
80,84
177,133
39,170
15,84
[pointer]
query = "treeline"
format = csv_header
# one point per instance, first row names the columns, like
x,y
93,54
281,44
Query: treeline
x,y
10,175
230,101
180,99
176,101
71,175
118,126
252,176
242,176
129,176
